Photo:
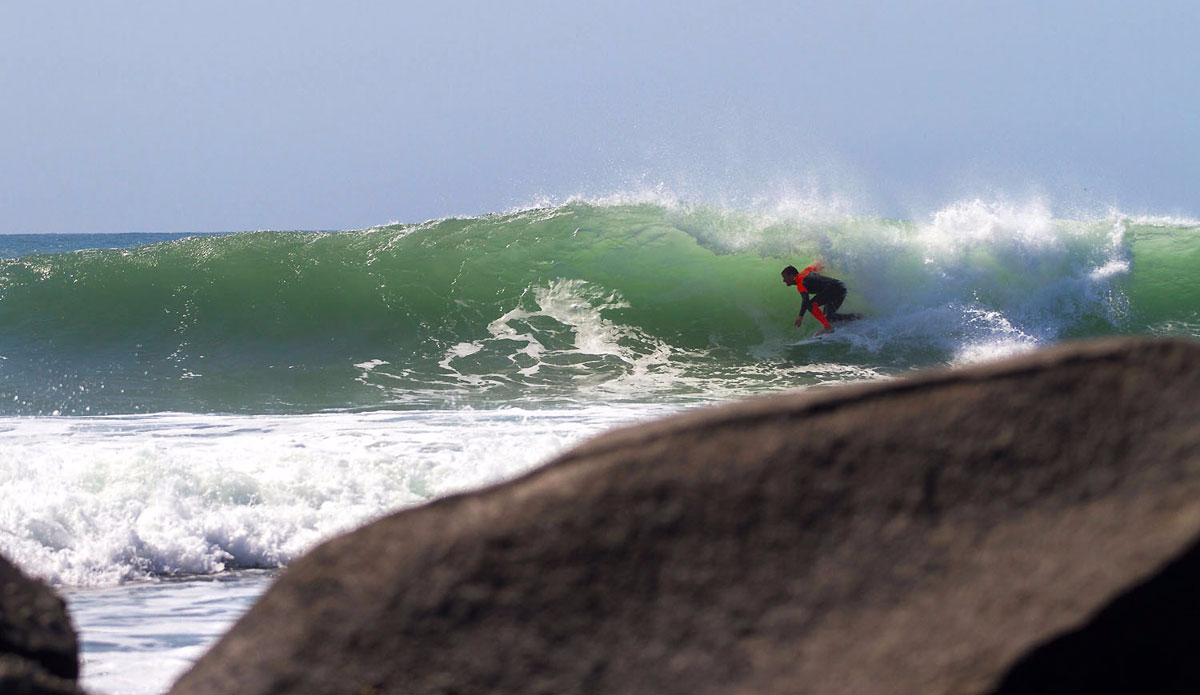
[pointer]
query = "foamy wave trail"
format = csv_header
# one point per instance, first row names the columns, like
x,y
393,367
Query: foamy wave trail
x,y
148,496
582,302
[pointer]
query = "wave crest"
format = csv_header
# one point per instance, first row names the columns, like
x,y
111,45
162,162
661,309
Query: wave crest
x,y
623,297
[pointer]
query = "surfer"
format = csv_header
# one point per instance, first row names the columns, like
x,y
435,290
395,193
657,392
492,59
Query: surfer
x,y
827,293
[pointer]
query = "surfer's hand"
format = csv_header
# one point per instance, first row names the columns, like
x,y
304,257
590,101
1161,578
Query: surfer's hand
x,y
799,321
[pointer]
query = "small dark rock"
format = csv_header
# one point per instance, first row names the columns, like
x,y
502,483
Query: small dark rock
x,y
39,652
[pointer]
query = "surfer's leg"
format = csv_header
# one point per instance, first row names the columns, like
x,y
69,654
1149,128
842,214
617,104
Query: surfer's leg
x,y
833,302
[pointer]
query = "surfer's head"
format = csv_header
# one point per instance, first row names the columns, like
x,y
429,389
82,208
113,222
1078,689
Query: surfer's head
x,y
789,275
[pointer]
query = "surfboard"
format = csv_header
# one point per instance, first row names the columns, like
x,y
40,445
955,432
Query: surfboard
x,y
827,338
838,335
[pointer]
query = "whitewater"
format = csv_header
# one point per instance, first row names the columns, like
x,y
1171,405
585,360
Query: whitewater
x,y
181,416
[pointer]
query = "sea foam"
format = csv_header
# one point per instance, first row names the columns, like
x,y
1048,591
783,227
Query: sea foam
x,y
99,501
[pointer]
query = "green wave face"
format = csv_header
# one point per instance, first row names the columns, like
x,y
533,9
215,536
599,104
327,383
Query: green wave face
x,y
573,303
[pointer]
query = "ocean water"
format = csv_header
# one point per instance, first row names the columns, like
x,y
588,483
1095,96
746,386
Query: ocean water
x,y
181,416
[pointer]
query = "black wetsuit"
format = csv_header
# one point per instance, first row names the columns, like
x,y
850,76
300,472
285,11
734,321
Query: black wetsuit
x,y
827,293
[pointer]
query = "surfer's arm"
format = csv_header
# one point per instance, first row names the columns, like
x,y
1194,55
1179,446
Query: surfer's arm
x,y
804,307
814,268
810,305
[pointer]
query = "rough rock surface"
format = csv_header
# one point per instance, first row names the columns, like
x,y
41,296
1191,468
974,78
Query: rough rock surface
x,y
921,535
1142,642
39,653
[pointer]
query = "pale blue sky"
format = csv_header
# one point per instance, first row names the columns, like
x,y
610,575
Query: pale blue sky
x,y
223,116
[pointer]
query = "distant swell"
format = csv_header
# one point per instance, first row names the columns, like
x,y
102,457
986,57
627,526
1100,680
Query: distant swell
x,y
572,303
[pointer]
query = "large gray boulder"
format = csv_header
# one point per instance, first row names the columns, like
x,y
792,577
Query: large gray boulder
x,y
39,652
921,535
